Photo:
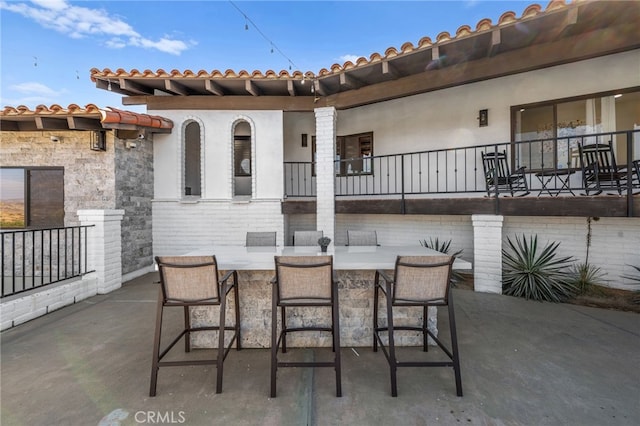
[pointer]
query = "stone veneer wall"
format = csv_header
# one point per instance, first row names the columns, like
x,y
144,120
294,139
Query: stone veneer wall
x,y
134,192
88,175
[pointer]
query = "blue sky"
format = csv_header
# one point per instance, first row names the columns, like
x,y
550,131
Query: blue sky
x,y
48,47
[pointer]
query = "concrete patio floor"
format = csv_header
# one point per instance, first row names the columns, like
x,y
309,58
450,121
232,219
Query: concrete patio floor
x,y
523,363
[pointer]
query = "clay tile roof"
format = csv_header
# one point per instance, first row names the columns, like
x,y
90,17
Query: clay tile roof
x,y
466,44
110,116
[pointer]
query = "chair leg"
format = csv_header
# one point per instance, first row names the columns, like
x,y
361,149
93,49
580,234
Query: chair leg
x,y
283,319
237,308
221,347
336,344
425,324
187,326
393,367
375,316
156,347
454,347
274,341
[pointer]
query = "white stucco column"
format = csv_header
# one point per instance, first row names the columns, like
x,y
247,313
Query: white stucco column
x,y
104,246
487,253
325,172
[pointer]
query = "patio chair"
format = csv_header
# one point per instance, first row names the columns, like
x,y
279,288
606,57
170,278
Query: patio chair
x,y
190,281
599,168
304,282
498,177
261,239
306,238
418,281
362,238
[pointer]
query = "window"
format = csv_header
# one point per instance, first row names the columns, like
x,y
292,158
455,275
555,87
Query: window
x,y
597,113
192,148
31,197
242,167
353,154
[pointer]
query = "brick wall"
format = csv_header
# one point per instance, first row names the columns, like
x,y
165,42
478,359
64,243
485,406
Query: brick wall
x,y
88,175
134,192
180,227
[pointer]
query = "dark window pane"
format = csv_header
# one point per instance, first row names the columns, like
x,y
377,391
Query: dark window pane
x,y
46,198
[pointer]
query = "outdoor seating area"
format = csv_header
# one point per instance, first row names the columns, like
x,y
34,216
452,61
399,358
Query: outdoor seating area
x,y
513,358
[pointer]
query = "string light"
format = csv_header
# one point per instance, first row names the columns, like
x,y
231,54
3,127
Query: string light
x,y
248,21
109,85
35,61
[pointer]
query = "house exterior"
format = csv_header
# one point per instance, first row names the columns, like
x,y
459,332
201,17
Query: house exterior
x,y
90,158
242,140
392,142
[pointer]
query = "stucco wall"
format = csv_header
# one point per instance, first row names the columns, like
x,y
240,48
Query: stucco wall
x,y
447,118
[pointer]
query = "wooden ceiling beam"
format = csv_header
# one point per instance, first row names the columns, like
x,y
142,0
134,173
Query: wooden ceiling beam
x,y
319,88
132,86
176,88
252,88
83,123
496,39
390,70
213,87
47,123
348,81
291,88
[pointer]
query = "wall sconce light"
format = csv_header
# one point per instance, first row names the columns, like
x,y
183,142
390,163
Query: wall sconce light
x,y
98,141
483,117
55,138
304,140
130,144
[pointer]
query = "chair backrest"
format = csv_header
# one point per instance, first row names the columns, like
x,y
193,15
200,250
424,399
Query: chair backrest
x,y
422,279
495,166
362,238
598,153
304,277
261,239
188,278
306,238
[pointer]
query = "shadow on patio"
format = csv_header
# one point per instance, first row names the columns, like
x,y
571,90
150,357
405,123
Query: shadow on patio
x,y
522,363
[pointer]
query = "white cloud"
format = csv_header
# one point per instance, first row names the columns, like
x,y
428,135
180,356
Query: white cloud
x,y
80,22
351,58
34,88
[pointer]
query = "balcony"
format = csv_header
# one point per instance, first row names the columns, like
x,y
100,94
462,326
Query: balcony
x,y
452,181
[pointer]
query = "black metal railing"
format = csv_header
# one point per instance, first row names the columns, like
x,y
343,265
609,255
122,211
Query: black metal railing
x,y
552,167
34,258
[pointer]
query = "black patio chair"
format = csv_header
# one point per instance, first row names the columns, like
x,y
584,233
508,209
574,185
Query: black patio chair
x,y
418,281
304,282
599,169
498,177
191,281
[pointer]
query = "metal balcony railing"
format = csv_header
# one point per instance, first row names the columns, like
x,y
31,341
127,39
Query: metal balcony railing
x,y
552,167
40,257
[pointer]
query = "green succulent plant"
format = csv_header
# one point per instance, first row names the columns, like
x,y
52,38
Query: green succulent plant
x,y
586,276
537,275
444,247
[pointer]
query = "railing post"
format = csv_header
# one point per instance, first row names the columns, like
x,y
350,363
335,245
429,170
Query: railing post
x,y
630,174
104,246
402,206
495,183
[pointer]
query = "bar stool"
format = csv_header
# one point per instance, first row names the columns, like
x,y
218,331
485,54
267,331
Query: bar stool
x,y
304,281
418,281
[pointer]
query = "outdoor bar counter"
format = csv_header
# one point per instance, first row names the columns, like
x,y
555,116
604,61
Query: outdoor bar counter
x,y
355,267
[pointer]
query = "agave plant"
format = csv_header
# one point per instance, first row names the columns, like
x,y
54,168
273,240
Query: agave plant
x,y
585,276
443,247
538,275
636,278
